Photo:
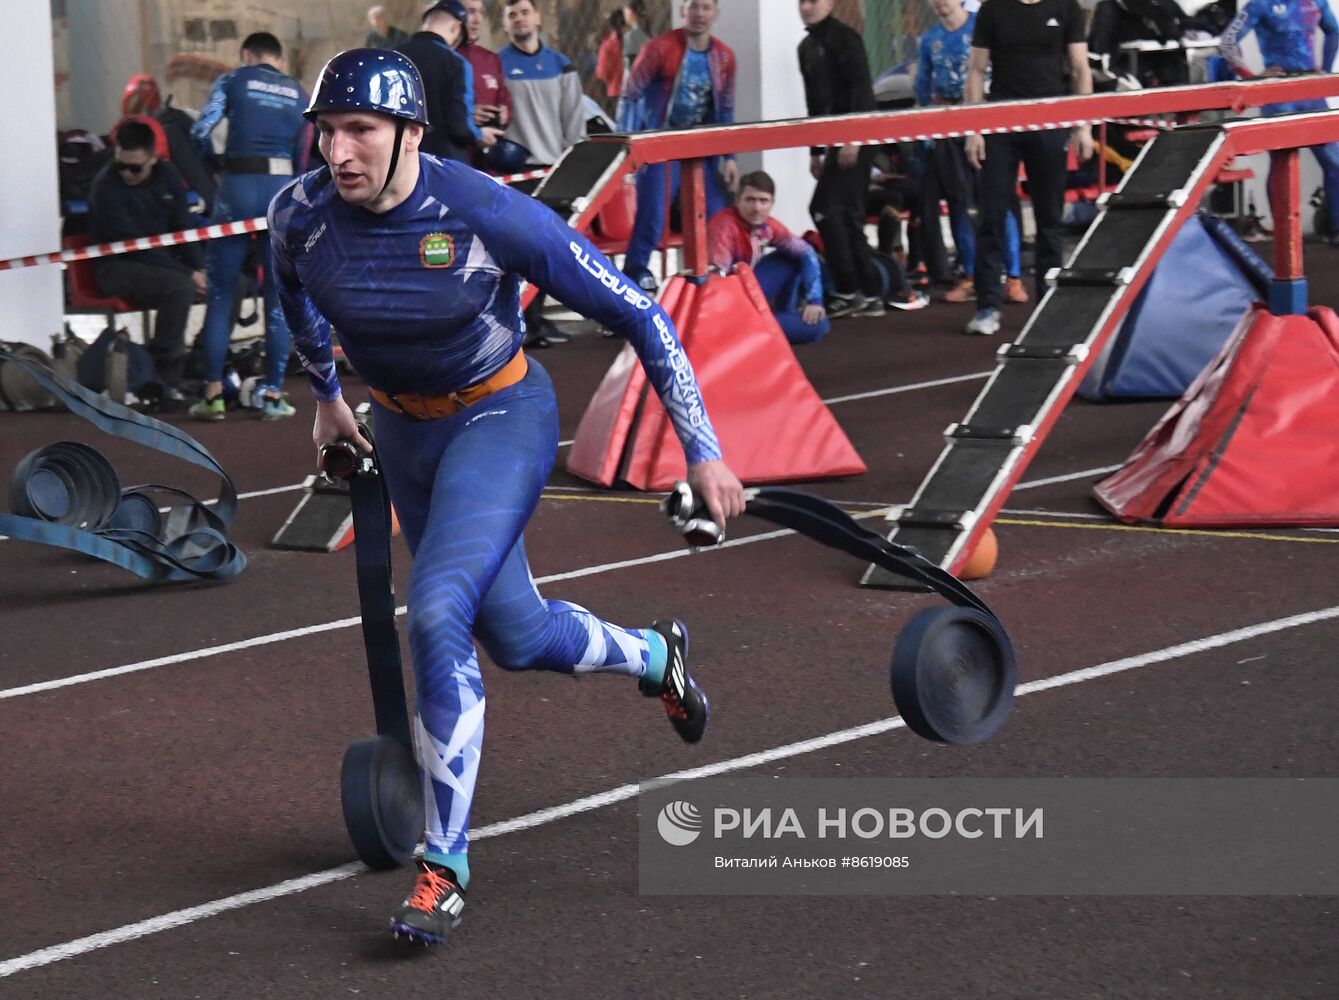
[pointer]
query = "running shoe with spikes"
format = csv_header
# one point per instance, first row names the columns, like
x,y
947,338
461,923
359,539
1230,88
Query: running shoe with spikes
x,y
211,408
275,407
685,704
432,909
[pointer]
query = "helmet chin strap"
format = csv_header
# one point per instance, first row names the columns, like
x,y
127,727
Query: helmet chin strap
x,y
395,156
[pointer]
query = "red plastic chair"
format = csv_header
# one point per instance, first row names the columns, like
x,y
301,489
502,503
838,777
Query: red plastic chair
x,y
84,294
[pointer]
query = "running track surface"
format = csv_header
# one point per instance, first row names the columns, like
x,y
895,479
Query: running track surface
x,y
175,830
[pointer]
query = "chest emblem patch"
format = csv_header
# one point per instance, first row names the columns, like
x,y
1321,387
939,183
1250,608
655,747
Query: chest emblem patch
x,y
437,250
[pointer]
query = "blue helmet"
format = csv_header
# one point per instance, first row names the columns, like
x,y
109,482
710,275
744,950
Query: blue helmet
x,y
379,80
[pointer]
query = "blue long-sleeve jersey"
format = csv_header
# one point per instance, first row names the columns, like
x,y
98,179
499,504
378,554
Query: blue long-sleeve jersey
x,y
1286,33
264,111
942,67
426,297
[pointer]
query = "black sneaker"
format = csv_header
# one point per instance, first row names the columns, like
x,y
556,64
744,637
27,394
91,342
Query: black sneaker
x,y
432,909
873,308
844,305
544,333
685,704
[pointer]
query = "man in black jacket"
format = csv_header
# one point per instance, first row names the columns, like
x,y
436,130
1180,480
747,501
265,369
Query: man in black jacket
x,y
448,83
137,195
1033,49
837,82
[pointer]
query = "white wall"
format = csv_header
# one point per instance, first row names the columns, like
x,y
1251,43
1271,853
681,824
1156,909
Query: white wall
x,y
30,298
765,35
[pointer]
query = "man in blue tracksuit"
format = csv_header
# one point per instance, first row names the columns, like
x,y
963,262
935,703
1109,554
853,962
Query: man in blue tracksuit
x,y
1286,33
267,145
418,263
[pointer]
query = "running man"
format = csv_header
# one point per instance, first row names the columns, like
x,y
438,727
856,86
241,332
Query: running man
x,y
418,262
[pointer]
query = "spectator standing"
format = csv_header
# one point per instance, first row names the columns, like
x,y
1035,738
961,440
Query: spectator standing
x,y
547,119
790,276
634,34
941,75
837,82
448,80
267,147
492,99
383,35
547,116
135,195
1286,33
1033,49
609,65
681,79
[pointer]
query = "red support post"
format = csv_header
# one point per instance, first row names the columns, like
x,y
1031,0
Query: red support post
x,y
1102,156
693,215
1285,202
1288,293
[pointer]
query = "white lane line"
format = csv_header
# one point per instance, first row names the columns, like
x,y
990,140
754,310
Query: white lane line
x,y
621,793
1068,477
1053,514
177,918
565,444
914,387
974,376
298,633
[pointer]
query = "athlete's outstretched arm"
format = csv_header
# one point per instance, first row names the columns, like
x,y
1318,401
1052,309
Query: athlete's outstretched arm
x,y
526,237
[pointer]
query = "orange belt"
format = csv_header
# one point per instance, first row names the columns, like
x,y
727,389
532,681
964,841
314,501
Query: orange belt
x,y
421,407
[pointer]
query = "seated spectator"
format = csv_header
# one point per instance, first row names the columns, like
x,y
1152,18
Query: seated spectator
x,y
141,101
790,276
139,195
383,35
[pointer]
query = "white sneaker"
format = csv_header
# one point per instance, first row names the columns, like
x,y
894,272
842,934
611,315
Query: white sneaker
x,y
986,323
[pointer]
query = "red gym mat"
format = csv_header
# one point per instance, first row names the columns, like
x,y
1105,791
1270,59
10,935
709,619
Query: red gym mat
x,y
1252,441
771,423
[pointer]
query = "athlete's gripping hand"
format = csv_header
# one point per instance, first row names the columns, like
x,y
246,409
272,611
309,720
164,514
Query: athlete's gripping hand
x,y
334,420
719,488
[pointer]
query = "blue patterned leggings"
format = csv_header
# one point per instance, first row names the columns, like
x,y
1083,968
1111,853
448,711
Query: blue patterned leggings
x,y
464,488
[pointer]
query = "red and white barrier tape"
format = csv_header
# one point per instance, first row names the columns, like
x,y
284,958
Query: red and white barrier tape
x,y
143,243
185,236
